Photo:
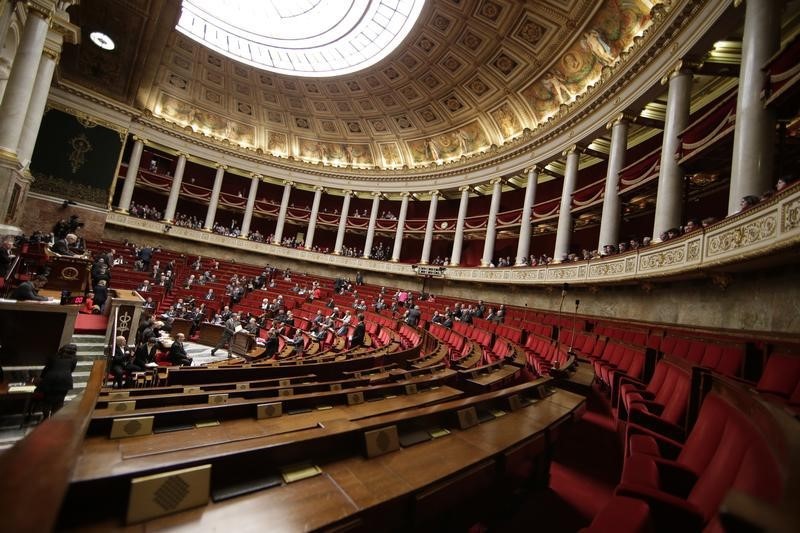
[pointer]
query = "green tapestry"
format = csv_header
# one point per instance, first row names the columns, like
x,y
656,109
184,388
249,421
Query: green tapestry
x,y
74,158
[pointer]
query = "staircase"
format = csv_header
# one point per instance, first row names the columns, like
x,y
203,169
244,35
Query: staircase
x,y
90,348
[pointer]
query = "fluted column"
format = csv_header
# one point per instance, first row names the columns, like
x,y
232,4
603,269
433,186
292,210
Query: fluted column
x,y
312,220
373,219
491,222
458,240
754,134
175,190
670,176
213,203
401,224
337,249
41,89
287,191
610,221
251,202
21,81
564,234
524,244
130,176
426,244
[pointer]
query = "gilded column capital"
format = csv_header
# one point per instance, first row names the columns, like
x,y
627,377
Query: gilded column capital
x,y
682,66
348,193
220,165
289,183
319,188
495,181
618,119
376,194
464,188
405,195
64,29
137,138
570,150
40,8
435,194
256,176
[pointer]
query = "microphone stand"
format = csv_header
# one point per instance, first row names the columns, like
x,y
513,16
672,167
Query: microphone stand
x,y
560,308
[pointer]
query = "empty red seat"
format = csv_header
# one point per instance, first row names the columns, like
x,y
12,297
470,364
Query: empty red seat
x,y
781,376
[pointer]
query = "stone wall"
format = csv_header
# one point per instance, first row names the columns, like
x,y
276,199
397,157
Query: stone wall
x,y
42,213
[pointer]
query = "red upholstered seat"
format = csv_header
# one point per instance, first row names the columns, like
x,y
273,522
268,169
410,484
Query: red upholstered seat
x,y
781,375
724,451
622,514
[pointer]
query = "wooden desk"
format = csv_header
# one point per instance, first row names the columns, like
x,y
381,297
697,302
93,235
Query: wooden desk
x,y
31,331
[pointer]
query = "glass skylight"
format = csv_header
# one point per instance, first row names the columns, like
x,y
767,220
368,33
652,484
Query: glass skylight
x,y
301,37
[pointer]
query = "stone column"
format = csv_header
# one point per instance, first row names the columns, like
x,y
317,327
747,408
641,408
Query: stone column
x,y
401,224
458,240
337,249
564,234
373,219
213,202
130,176
669,201
21,81
287,191
255,179
524,244
6,11
36,107
312,220
754,134
5,71
175,190
426,244
491,222
612,215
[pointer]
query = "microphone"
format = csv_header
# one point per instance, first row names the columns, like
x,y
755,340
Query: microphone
x,y
564,288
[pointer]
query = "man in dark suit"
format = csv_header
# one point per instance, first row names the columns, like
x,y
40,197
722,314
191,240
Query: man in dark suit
x,y
227,333
413,315
144,354
29,290
358,333
145,255
6,256
119,360
177,353
62,246
272,344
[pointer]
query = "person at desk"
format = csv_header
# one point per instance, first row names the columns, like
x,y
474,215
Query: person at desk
x,y
252,327
227,334
271,345
296,342
144,355
56,378
62,246
177,353
29,290
119,361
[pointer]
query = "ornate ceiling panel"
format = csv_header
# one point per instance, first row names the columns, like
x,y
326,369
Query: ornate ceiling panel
x,y
471,75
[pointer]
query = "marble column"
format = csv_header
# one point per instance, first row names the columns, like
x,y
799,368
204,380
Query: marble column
x,y
373,220
669,198
491,222
564,232
22,79
312,220
458,240
6,13
754,137
612,215
251,203
131,174
5,71
287,192
337,249
401,224
213,202
36,106
175,190
524,244
426,244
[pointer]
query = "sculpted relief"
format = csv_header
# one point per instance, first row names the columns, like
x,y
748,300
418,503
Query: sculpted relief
x,y
464,141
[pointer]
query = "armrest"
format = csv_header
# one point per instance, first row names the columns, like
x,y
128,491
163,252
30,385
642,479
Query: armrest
x,y
669,512
668,448
656,424
652,407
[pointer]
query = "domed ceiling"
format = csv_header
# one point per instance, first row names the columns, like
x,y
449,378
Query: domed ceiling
x,y
470,74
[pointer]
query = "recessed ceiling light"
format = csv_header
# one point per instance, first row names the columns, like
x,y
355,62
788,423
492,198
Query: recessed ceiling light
x,y
102,40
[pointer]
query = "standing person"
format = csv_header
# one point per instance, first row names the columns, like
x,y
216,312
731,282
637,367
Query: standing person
x,y
227,334
271,347
6,256
358,333
56,378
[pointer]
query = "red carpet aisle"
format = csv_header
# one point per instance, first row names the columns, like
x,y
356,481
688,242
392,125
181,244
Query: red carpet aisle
x,y
583,475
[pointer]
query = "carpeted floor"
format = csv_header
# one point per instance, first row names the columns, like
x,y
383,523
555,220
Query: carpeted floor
x,y
583,474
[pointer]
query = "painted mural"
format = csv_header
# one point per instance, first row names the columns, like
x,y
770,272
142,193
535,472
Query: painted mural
x,y
467,139
334,153
213,124
609,33
507,121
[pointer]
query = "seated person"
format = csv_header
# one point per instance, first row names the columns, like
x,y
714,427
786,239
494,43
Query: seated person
x,y
296,342
88,306
177,352
29,290
62,246
6,256
144,356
